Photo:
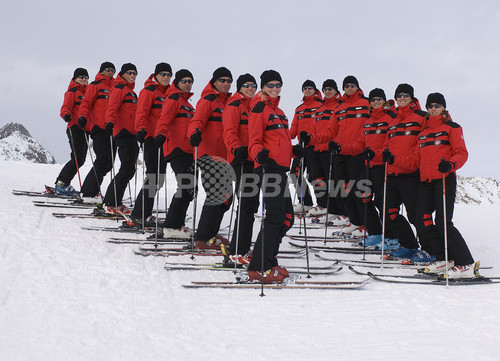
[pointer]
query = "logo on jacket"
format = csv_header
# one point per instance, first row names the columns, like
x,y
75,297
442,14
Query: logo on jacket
x,y
437,142
407,132
359,115
378,131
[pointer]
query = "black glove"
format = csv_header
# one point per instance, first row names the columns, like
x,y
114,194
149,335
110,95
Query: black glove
x,y
387,156
141,135
334,147
263,157
159,140
305,138
241,153
368,154
82,122
445,166
109,128
195,138
67,118
299,151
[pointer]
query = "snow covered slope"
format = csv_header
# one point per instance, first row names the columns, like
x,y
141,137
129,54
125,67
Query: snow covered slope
x,y
477,190
16,143
66,294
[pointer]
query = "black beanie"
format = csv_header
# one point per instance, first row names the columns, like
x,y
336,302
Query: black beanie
x,y
220,73
105,65
269,75
163,67
404,88
183,73
377,92
437,98
126,67
78,72
309,83
350,79
245,78
330,83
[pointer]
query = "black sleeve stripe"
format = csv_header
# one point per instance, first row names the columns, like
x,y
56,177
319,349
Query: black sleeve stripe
x,y
73,90
210,97
151,88
421,113
174,96
392,114
120,86
235,103
96,82
259,107
454,125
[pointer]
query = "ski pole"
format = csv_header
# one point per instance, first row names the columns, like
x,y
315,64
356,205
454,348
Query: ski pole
x,y
445,231
93,168
114,176
262,232
238,217
328,194
74,155
367,170
157,197
303,213
383,213
143,188
195,194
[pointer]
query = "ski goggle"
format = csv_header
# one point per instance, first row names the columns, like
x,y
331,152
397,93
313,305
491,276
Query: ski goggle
x,y
271,85
131,72
350,85
328,89
110,70
165,74
307,88
229,81
403,95
82,77
184,81
376,99
249,85
435,105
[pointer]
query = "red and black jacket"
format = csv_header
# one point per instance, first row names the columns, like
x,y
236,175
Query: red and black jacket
x,y
326,126
268,128
122,107
351,115
305,115
95,102
402,135
208,119
149,106
72,101
441,139
235,123
175,116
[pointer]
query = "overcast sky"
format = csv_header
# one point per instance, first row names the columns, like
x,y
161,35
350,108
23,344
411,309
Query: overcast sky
x,y
446,46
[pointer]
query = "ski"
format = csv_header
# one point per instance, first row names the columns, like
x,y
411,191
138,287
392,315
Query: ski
x,y
222,267
86,215
345,238
147,241
41,194
119,229
402,263
291,285
69,204
436,281
350,248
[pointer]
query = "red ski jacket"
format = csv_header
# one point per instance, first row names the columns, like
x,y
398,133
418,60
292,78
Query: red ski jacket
x,y
268,128
326,126
375,132
208,119
95,102
149,106
402,135
351,115
72,100
441,139
175,116
305,115
235,124
122,107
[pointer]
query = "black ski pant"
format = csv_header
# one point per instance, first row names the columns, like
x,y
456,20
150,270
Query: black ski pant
x,y
430,199
278,220
102,164
357,201
151,182
183,166
248,205
78,146
297,179
331,200
377,175
128,151
402,189
217,179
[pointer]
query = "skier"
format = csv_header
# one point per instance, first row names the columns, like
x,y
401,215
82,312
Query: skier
x,y
69,112
120,127
402,182
302,125
205,133
149,108
271,148
440,151
235,124
93,117
351,115
171,133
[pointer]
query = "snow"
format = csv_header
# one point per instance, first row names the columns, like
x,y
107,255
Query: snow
x,y
66,294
